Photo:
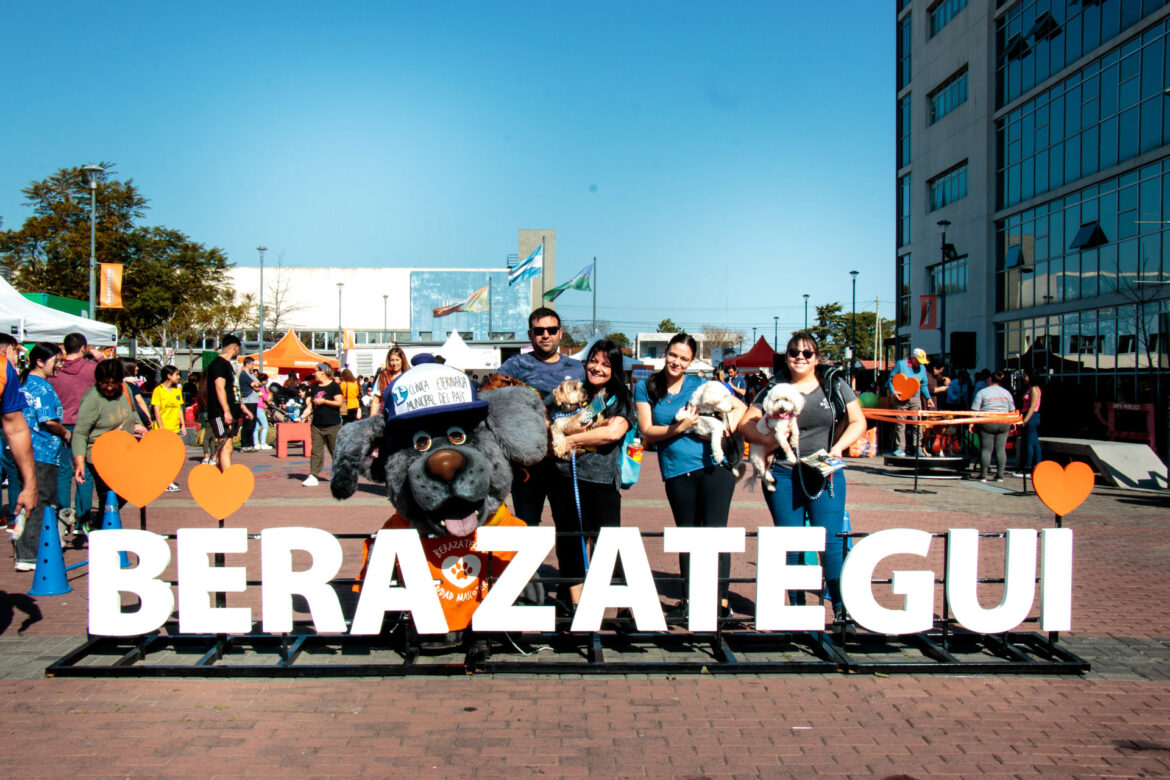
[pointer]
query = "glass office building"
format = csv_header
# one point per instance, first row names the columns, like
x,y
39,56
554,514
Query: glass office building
x,y
1035,135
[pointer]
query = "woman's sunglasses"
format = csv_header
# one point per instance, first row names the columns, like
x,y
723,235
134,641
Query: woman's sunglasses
x,y
807,353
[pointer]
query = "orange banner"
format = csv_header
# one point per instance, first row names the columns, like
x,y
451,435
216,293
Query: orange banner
x,y
111,286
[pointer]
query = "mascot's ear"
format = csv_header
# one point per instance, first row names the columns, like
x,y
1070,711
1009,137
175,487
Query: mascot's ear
x,y
351,456
516,417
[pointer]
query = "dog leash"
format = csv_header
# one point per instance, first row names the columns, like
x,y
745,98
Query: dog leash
x,y
580,520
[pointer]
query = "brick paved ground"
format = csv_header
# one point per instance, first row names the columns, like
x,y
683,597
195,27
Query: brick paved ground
x,y
1112,722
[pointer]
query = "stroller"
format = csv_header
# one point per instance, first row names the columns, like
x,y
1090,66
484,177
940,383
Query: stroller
x,y
278,396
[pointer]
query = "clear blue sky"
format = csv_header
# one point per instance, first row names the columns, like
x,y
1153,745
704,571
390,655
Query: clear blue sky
x,y
719,159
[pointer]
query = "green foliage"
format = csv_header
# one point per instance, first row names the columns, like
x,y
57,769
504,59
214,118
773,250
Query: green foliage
x,y
619,338
834,329
668,326
167,278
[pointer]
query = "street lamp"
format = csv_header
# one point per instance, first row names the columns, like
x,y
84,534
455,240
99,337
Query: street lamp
x,y
806,312
339,286
261,250
753,336
385,337
853,335
92,172
947,252
776,334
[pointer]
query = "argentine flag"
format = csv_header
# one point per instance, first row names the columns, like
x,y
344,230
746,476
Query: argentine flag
x,y
531,267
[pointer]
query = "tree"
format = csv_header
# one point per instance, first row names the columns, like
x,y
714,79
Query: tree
x,y
719,337
619,338
834,329
279,304
668,326
829,332
166,275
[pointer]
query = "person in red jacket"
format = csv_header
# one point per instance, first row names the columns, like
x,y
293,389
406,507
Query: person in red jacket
x,y
74,377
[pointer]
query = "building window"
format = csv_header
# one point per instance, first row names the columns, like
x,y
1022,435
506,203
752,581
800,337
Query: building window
x,y
904,210
1108,112
949,95
904,117
943,12
948,186
905,36
903,284
1036,38
1089,236
950,278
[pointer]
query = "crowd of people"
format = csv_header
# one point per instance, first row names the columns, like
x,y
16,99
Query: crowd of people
x,y
68,396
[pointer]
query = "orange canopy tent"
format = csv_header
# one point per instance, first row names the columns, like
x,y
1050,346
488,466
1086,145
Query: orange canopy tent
x,y
759,356
289,354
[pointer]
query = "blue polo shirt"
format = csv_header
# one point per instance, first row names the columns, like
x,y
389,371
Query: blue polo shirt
x,y
12,399
680,454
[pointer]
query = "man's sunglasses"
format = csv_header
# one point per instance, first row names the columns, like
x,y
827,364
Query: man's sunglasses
x,y
552,331
795,353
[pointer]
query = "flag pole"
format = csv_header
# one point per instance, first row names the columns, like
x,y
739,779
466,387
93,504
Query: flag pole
x,y
543,266
489,333
594,295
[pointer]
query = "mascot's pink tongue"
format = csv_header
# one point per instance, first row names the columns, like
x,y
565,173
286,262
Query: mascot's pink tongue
x,y
463,526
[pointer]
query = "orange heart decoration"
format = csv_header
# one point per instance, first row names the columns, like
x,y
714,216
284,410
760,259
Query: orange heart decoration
x,y
220,493
905,386
1062,489
139,471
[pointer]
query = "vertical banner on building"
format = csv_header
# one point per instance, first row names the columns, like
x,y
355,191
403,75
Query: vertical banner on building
x,y
928,317
111,286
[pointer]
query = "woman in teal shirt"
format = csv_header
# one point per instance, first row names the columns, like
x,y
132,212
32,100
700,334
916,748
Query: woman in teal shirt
x,y
698,490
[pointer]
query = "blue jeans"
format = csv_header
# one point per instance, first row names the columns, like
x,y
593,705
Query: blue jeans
x,y
83,500
788,505
1031,439
261,427
8,470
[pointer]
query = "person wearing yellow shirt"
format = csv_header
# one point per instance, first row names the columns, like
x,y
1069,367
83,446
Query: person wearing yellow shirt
x,y
166,404
350,391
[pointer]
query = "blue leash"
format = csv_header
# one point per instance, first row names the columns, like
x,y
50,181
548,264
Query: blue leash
x,y
580,521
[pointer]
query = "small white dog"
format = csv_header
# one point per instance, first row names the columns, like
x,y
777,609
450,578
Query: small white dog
x,y
568,399
713,402
781,406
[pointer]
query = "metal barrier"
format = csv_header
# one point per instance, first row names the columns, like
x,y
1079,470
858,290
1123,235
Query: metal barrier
x,y
619,648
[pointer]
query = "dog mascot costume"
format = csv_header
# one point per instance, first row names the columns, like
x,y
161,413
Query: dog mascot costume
x,y
446,459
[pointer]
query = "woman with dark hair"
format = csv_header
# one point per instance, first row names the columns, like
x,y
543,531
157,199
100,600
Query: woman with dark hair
x,y
396,364
134,386
697,488
350,392
43,414
597,452
993,398
831,420
106,406
1030,406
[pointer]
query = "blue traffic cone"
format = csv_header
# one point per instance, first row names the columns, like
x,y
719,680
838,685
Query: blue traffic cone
x,y
112,521
49,579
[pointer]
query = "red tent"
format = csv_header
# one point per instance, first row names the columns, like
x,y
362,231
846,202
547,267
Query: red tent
x,y
289,355
759,356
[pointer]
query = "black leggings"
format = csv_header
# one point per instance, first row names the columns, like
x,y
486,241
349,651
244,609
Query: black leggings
x,y
702,498
601,506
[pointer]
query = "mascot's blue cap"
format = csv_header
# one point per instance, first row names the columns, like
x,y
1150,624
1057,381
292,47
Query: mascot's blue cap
x,y
431,388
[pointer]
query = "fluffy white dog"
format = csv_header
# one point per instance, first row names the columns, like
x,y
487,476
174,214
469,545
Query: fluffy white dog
x,y
713,401
568,399
781,406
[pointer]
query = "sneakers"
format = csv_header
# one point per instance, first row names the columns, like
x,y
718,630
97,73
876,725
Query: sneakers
x,y
264,447
923,453
899,453
310,482
205,461
248,449
1019,474
26,566
173,488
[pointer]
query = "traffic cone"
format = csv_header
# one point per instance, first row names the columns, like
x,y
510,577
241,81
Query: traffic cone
x,y
112,521
49,579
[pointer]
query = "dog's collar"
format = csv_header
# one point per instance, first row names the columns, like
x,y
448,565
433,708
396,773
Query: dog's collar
x,y
502,514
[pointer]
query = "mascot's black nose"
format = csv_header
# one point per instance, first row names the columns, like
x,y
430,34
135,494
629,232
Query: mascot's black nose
x,y
445,464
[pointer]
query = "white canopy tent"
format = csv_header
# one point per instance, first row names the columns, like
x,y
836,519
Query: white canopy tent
x,y
457,353
30,321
